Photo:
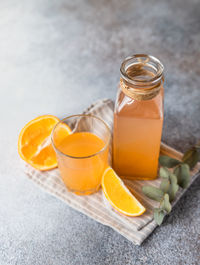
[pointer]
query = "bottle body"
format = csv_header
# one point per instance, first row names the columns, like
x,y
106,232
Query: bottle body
x,y
137,135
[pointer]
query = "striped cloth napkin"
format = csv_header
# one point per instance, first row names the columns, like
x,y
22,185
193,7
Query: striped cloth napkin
x,y
135,229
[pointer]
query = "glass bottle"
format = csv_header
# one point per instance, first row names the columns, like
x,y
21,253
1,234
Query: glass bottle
x,y
138,118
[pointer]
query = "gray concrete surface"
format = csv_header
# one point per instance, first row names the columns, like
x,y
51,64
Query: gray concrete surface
x,y
59,56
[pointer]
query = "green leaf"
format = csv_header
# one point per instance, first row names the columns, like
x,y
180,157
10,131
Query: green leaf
x,y
191,157
153,193
173,187
164,185
173,178
183,175
165,204
167,161
164,172
177,173
159,215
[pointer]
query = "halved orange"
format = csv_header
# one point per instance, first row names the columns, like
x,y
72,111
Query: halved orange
x,y
119,196
34,143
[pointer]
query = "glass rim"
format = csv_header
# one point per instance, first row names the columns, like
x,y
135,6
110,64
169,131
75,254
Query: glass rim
x,y
150,58
76,116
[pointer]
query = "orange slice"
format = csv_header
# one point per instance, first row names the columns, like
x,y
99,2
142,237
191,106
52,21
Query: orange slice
x,y
61,131
34,143
119,196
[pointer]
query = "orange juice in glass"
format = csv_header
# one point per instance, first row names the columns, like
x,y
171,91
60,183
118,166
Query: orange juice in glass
x,y
81,143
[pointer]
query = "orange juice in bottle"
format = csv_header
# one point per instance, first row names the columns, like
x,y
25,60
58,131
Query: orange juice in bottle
x,y
138,118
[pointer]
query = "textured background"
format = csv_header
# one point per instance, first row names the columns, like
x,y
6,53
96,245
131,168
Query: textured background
x,y
59,56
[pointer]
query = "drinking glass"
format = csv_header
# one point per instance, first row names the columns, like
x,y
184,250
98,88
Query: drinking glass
x,y
74,139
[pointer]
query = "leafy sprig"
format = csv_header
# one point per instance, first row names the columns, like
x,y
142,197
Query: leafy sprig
x,y
172,180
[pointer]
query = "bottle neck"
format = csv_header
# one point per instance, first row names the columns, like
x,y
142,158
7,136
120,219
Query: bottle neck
x,y
140,93
141,77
